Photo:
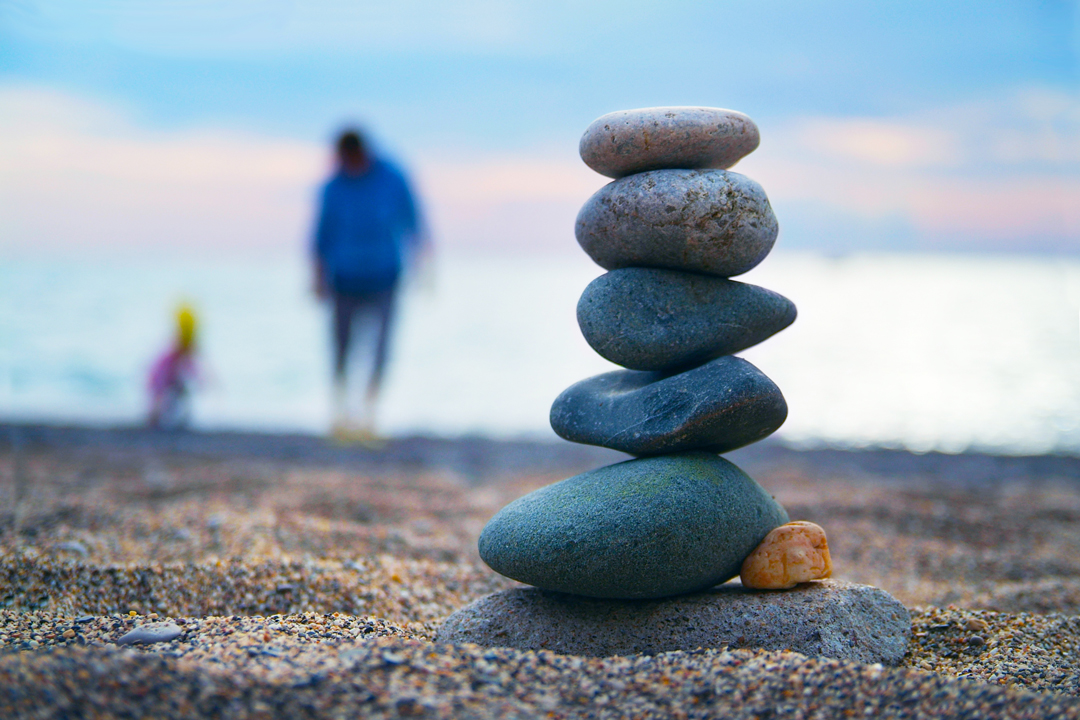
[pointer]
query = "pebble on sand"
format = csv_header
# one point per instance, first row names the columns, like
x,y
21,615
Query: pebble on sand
x,y
632,141
153,632
793,553
73,546
709,221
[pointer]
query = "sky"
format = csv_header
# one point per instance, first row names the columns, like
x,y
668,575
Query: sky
x,y
203,126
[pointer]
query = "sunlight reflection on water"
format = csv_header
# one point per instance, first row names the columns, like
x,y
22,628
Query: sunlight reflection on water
x,y
926,352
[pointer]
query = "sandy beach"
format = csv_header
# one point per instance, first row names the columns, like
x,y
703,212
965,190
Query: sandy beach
x,y
308,581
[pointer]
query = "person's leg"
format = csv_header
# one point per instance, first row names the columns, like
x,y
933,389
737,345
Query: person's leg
x,y
356,318
182,404
173,412
375,317
383,306
344,310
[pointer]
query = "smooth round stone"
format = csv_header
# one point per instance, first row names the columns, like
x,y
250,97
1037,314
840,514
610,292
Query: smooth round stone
x,y
830,618
649,319
709,221
632,141
644,528
153,632
719,406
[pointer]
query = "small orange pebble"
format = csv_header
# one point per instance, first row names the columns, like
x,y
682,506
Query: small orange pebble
x,y
792,553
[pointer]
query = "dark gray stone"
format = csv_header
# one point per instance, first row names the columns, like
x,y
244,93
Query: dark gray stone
x,y
632,141
709,221
638,529
719,406
648,319
827,618
153,632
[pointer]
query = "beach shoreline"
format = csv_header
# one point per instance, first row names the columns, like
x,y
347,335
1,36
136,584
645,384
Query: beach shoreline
x,y
479,458
293,564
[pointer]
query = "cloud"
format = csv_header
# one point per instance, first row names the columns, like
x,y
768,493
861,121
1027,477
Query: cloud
x,y
1002,173
509,201
878,142
75,173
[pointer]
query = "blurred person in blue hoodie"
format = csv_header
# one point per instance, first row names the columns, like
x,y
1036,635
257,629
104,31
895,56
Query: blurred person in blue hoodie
x,y
368,232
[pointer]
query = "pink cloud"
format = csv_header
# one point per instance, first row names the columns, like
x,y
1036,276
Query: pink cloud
x,y
78,173
1004,170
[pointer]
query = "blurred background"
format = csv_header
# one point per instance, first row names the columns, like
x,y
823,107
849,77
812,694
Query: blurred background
x,y
923,160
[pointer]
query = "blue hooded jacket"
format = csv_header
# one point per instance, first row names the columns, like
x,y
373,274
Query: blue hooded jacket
x,y
365,224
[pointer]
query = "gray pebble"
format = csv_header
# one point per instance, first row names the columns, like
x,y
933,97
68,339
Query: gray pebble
x,y
73,546
710,221
639,529
827,618
153,632
648,319
632,141
719,406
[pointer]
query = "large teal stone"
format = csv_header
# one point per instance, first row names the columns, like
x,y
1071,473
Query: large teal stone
x,y
645,528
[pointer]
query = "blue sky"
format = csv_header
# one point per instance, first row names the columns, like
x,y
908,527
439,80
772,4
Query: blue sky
x,y
916,125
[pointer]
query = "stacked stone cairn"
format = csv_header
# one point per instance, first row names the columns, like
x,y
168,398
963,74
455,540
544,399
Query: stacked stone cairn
x,y
672,229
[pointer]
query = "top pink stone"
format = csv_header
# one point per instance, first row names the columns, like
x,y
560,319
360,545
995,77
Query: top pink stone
x,y
687,138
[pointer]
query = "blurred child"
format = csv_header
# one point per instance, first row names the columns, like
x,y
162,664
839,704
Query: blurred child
x,y
173,375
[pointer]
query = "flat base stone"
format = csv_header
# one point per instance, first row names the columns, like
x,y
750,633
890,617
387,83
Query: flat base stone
x,y
829,618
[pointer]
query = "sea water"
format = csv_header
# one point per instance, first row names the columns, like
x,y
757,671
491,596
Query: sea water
x,y
926,352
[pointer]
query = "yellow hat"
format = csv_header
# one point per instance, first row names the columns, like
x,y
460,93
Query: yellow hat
x,y
185,325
